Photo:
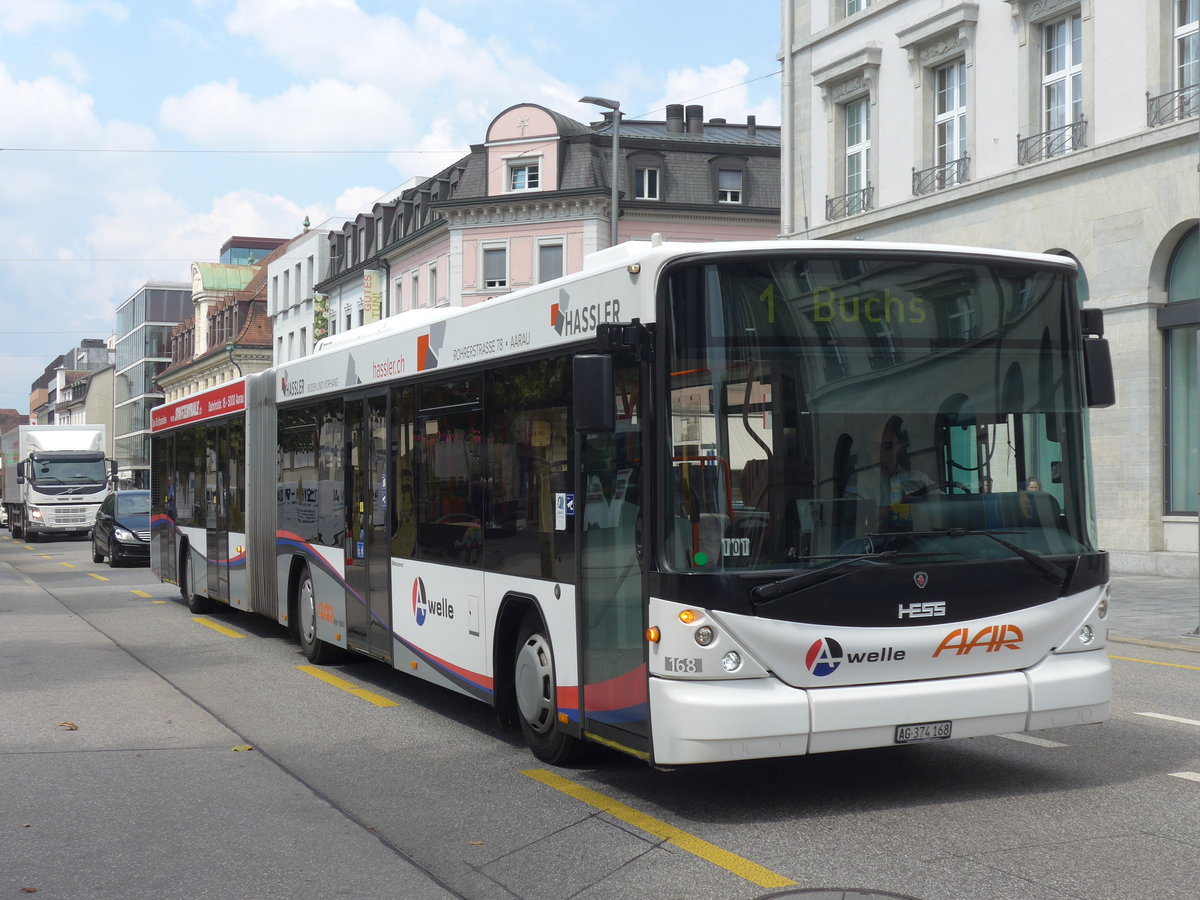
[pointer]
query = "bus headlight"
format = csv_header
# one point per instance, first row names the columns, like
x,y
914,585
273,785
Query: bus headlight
x,y
1086,635
731,661
705,635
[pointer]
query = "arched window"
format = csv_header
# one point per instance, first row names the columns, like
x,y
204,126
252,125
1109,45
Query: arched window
x,y
1180,323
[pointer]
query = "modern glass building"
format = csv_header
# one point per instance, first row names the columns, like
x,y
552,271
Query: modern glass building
x,y
143,329
246,251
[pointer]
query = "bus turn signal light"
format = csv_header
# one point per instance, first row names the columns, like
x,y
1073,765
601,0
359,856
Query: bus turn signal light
x,y
652,634
688,616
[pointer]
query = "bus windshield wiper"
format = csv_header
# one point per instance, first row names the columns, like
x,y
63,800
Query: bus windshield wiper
x,y
765,593
1055,572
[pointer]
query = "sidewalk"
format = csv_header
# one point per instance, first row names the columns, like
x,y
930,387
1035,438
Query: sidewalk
x,y
1155,609
118,786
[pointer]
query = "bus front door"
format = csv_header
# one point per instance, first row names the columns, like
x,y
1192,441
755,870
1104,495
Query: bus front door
x,y
611,579
368,610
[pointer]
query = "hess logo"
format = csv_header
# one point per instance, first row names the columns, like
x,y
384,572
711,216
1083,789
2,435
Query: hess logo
x,y
423,608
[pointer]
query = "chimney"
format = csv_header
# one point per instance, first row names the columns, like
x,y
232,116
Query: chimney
x,y
751,126
674,118
695,119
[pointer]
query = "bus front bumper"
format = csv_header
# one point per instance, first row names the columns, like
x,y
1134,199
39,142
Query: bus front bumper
x,y
719,721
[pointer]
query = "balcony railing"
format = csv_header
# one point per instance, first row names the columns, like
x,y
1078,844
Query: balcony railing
x,y
936,178
1173,106
1054,142
849,204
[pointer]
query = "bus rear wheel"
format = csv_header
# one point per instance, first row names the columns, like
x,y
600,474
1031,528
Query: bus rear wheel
x,y
536,695
317,651
197,603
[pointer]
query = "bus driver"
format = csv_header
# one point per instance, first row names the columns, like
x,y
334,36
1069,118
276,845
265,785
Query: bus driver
x,y
892,485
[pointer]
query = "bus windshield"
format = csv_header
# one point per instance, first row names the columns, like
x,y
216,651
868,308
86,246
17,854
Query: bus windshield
x,y
826,407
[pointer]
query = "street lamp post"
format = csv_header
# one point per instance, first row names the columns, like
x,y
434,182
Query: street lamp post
x,y
229,348
616,142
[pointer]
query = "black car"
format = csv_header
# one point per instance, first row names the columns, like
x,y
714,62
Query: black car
x,y
122,529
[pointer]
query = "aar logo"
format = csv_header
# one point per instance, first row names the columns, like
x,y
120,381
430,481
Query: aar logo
x,y
991,639
823,657
420,604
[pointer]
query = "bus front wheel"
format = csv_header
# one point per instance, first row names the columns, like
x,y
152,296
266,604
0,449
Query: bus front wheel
x,y
536,694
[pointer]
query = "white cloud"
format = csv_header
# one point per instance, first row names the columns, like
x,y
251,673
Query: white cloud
x,y
48,112
425,65
154,224
325,114
22,16
355,200
721,90
71,64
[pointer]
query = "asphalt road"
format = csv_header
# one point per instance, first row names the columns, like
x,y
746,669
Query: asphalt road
x,y
210,762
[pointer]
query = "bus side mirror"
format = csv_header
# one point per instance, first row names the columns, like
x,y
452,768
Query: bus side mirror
x,y
1098,373
594,394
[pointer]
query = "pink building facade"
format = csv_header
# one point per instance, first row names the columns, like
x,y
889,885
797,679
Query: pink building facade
x,y
534,198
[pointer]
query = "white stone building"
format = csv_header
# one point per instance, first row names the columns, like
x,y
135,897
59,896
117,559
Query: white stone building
x,y
1060,126
290,294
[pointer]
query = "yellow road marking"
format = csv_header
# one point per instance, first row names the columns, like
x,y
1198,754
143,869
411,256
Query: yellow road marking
x,y
347,686
731,862
97,577
141,594
1154,662
217,626
27,547
68,565
45,556
159,602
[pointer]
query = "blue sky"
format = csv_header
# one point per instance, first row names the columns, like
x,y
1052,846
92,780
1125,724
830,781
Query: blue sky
x,y
138,136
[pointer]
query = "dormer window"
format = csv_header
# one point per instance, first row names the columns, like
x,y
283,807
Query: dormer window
x,y
729,185
524,175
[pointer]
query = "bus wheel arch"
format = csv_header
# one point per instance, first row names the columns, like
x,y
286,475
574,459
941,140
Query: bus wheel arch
x,y
513,610
534,692
197,603
303,597
295,568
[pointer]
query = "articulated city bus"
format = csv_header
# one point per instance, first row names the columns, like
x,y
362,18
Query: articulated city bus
x,y
698,502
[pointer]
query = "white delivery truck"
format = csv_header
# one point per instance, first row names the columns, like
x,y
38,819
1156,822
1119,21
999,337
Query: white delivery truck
x,y
57,480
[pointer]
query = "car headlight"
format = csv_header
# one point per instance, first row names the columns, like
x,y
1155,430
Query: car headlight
x,y
123,534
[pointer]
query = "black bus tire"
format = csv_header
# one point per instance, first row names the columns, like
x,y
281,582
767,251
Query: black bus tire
x,y
317,651
197,603
536,695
